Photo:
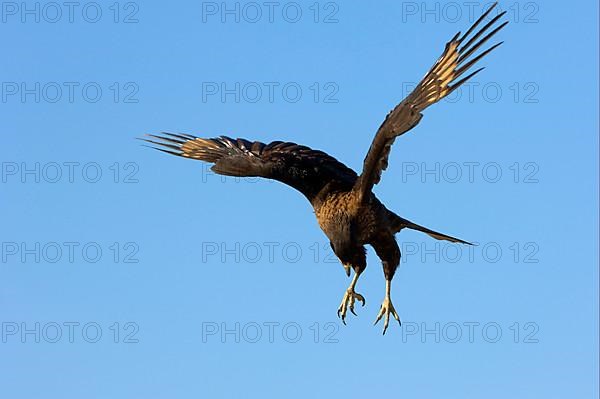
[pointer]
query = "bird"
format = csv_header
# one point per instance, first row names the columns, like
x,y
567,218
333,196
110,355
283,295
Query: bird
x,y
347,210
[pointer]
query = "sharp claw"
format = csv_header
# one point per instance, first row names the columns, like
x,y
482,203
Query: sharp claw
x,y
361,299
348,303
378,318
386,309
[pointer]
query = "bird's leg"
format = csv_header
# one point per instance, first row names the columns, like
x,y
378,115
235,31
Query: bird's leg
x,y
387,308
350,296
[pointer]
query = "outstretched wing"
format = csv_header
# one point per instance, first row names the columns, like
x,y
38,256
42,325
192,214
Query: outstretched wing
x,y
300,167
441,80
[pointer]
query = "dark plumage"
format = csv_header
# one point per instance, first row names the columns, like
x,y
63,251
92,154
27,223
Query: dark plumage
x,y
346,208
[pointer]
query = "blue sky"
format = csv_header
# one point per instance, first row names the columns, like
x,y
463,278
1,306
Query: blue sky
x,y
127,273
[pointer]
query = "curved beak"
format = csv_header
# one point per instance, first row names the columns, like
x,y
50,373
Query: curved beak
x,y
347,267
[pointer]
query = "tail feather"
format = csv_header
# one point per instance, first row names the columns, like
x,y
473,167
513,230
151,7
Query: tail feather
x,y
401,223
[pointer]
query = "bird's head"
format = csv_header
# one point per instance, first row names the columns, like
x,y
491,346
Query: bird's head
x,y
348,251
343,251
347,267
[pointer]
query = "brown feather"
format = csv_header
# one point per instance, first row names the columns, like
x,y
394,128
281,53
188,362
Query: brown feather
x,y
441,80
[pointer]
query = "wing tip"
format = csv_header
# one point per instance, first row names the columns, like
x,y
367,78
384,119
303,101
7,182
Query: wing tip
x,y
162,146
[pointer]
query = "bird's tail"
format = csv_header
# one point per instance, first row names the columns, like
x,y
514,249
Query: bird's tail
x,y
400,223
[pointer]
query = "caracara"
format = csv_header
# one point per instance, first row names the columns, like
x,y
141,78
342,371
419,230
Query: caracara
x,y
347,210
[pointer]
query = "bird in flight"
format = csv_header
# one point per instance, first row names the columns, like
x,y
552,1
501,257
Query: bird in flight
x,y
347,210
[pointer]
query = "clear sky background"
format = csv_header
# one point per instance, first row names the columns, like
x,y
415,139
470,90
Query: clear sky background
x,y
162,258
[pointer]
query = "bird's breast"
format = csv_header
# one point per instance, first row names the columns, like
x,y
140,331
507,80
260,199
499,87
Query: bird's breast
x,y
342,208
334,209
